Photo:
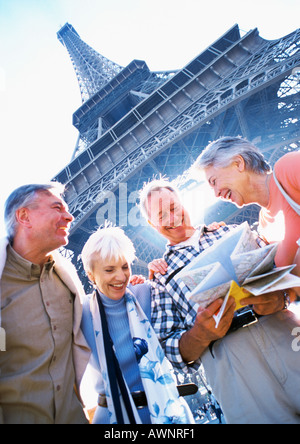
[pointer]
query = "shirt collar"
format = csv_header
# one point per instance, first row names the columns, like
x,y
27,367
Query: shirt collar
x,y
25,267
193,241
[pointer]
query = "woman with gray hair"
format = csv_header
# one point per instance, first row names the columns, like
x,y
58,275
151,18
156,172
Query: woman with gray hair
x,y
132,375
238,173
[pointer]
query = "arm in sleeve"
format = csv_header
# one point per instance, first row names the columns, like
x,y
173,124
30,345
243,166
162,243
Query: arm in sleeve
x,y
172,316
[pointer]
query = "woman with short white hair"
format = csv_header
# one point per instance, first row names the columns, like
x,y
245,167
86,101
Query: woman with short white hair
x,y
133,377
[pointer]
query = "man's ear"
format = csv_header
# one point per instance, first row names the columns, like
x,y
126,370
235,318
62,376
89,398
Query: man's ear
x,y
22,216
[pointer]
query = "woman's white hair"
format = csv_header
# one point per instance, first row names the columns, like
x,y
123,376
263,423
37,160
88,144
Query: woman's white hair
x,y
107,243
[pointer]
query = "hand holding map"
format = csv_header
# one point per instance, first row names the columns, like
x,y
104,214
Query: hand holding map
x,y
234,262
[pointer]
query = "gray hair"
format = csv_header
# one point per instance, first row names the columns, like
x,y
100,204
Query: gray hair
x,y
107,243
221,153
23,197
154,185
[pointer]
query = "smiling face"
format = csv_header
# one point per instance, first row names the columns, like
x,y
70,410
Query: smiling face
x,y
46,221
111,276
230,183
168,216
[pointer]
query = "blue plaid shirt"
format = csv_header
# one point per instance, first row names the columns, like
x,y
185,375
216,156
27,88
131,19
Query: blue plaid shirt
x,y
172,313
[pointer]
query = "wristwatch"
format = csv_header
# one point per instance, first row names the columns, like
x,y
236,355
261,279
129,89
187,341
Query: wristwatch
x,y
287,300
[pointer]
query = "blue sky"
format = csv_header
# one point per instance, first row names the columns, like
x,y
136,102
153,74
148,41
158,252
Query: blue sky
x,y
38,87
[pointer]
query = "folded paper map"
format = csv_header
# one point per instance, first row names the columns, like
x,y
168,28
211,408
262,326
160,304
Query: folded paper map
x,y
236,257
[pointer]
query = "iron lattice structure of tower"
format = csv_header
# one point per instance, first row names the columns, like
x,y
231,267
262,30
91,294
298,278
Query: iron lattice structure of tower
x,y
135,124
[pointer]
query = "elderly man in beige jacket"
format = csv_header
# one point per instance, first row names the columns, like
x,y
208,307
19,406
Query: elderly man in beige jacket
x,y
45,352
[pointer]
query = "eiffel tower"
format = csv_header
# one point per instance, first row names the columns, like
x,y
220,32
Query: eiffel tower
x,y
135,124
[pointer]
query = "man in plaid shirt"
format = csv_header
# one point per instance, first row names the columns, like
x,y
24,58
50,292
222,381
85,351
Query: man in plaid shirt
x,y
245,367
172,313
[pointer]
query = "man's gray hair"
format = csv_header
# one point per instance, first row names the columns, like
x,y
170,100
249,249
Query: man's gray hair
x,y
153,186
221,153
21,198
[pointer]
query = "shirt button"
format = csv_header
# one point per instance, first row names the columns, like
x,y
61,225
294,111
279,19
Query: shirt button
x,y
58,388
54,327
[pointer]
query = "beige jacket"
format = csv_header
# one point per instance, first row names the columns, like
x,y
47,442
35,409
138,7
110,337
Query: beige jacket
x,y
68,274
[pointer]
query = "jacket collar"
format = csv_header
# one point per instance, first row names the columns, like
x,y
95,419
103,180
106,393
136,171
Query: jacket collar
x,y
63,268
